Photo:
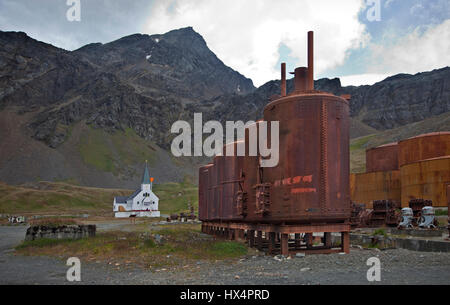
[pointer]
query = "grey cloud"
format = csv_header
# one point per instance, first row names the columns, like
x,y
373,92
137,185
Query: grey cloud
x,y
101,20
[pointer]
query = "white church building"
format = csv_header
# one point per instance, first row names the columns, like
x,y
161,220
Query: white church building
x,y
142,203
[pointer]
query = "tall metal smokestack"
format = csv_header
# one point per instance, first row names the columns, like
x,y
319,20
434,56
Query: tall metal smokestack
x,y
310,60
283,79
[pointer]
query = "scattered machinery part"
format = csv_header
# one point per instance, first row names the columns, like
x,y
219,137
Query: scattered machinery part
x,y
407,219
427,219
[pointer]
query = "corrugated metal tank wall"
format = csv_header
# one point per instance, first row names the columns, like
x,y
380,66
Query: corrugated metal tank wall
x,y
367,187
427,179
382,158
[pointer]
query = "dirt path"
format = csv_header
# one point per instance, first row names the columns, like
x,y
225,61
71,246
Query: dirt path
x,y
397,267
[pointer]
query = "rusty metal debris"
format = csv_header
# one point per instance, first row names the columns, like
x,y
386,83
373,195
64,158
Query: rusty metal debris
x,y
384,213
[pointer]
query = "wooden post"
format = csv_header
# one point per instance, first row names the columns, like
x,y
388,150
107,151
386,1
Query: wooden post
x,y
345,242
297,240
259,240
251,238
327,239
271,242
309,240
284,244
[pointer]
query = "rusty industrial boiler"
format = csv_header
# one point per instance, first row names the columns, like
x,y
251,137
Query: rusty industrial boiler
x,y
308,192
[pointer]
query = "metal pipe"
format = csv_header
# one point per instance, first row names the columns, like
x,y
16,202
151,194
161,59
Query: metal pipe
x,y
310,60
301,79
283,79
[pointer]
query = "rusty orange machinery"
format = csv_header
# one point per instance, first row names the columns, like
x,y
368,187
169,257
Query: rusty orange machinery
x,y
310,184
426,179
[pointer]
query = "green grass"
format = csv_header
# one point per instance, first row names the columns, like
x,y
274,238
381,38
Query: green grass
x,y
115,152
380,232
359,143
58,198
175,197
182,244
443,212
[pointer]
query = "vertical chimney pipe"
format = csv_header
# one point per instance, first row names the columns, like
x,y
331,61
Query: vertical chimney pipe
x,y
283,79
310,60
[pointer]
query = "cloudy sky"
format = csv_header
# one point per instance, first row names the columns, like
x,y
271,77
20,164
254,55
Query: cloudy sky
x,y
360,41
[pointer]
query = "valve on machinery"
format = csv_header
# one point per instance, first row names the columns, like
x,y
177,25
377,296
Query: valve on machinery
x,y
427,218
407,219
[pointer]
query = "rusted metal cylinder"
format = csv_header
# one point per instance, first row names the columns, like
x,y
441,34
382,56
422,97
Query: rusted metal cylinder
x,y
250,173
231,183
311,181
448,209
423,147
310,80
219,173
426,179
382,158
300,79
283,79
202,202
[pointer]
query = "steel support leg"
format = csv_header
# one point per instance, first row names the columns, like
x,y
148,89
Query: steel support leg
x,y
259,240
284,244
271,242
251,238
327,239
345,242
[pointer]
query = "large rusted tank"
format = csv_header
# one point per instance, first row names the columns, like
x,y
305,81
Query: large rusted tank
x,y
448,208
250,174
367,187
423,147
217,178
231,183
382,158
426,179
203,191
311,181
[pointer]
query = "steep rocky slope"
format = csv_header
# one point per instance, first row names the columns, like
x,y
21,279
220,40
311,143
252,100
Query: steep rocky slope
x,y
93,115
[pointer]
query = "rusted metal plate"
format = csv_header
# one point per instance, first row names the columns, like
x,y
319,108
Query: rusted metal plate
x,y
382,158
426,179
311,181
424,147
367,187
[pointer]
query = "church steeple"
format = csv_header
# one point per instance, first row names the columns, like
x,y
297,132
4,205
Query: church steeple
x,y
146,175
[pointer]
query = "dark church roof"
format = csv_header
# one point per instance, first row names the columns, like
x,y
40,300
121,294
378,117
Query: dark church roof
x,y
121,199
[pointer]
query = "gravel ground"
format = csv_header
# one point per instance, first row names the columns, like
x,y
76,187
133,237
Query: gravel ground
x,y
398,266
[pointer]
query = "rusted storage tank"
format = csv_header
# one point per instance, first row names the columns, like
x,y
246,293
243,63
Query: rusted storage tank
x,y
250,174
212,188
203,191
423,147
382,158
217,178
426,179
448,209
368,187
311,181
231,182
